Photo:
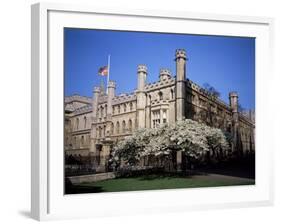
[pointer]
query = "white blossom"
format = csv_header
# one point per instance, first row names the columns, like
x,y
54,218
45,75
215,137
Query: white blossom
x,y
194,138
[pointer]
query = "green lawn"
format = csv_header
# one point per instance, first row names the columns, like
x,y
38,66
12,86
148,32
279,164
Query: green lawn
x,y
153,182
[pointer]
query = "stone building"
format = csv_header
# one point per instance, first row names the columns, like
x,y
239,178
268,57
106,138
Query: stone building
x,y
93,125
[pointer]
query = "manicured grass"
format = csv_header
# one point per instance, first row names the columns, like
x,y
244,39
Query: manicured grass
x,y
156,182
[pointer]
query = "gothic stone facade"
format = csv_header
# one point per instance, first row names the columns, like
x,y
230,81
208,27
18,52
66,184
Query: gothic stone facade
x,y
93,125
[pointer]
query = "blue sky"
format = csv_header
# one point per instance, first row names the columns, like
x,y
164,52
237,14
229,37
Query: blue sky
x,y
227,63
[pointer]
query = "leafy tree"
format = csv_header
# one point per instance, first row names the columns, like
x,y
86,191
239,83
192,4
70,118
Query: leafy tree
x,y
211,90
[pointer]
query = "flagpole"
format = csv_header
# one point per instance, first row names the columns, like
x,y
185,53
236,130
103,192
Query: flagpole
x,y
108,69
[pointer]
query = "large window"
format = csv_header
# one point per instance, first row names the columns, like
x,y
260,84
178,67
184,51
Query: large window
x,y
160,95
130,125
155,118
75,142
100,131
85,122
125,107
172,94
123,127
164,116
112,129
101,112
117,127
77,123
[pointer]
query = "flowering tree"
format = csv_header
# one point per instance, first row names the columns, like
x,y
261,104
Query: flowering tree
x,y
193,138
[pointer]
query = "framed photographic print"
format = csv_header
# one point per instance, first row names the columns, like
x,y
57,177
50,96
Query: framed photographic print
x,y
132,110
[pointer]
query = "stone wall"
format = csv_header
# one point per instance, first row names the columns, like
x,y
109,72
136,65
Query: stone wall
x,y
92,177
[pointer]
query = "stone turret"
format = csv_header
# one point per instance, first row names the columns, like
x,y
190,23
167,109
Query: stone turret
x,y
233,102
111,86
96,95
111,94
164,74
141,97
180,94
142,73
180,84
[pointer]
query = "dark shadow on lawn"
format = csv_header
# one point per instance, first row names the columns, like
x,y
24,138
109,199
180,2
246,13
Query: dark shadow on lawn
x,y
82,189
78,189
167,175
244,168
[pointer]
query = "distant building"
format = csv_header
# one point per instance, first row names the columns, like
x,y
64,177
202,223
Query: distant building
x,y
93,125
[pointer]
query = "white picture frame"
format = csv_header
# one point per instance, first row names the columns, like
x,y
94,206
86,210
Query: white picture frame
x,y
48,201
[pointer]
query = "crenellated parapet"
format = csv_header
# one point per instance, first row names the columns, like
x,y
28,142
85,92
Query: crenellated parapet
x,y
164,74
180,53
102,99
123,98
142,68
195,87
233,94
83,110
159,84
165,71
111,84
77,98
96,89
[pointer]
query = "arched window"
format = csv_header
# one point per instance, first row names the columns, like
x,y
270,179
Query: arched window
x,y
112,128
85,122
74,142
118,109
172,94
123,126
101,112
105,110
117,127
160,95
82,140
130,125
97,132
125,107
131,106
100,131
104,130
77,123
